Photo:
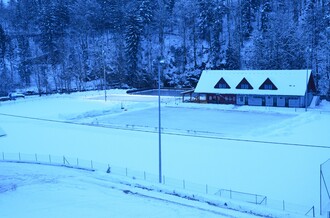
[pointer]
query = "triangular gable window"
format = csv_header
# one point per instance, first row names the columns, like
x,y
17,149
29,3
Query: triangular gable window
x,y
268,85
244,84
222,84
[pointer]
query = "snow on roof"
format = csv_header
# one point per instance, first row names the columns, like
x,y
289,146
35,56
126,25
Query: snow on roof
x,y
286,82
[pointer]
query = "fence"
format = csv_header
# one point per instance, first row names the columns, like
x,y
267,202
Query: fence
x,y
250,198
172,183
325,188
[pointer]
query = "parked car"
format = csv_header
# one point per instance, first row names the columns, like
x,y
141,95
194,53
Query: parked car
x,y
30,93
6,98
15,95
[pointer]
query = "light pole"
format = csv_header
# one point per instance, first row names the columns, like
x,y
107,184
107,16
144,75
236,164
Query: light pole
x,y
306,95
105,83
104,75
161,62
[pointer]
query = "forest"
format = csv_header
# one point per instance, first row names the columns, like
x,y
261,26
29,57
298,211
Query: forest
x,y
70,44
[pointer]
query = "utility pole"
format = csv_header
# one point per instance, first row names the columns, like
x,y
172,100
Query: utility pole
x,y
104,74
161,62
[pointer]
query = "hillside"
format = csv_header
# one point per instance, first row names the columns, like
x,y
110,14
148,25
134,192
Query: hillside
x,y
60,46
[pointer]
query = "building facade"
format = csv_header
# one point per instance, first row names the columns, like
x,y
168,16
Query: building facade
x,y
278,88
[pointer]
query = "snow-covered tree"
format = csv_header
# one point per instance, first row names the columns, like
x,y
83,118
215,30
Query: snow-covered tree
x,y
191,35
247,18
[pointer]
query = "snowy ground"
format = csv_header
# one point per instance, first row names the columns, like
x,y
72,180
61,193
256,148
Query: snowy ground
x,y
222,146
45,191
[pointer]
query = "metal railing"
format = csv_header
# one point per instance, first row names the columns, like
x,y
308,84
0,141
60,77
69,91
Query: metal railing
x,y
248,197
173,183
325,187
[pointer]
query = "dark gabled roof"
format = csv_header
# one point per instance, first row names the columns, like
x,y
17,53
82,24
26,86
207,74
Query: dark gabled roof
x,y
268,82
244,81
222,84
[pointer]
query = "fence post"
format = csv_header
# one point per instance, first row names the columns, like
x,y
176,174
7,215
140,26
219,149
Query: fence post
x,y
184,184
206,189
256,199
230,193
50,159
283,205
19,156
36,157
164,179
91,164
3,156
65,161
145,176
126,171
312,209
321,189
77,162
109,169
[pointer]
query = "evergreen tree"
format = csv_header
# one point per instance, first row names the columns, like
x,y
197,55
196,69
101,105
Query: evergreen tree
x,y
109,15
205,18
327,16
170,5
217,28
211,26
65,36
53,23
25,53
247,17
132,38
146,11
232,57
5,83
3,42
265,16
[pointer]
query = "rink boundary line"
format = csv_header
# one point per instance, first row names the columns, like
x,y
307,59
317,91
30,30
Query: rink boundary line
x,y
168,133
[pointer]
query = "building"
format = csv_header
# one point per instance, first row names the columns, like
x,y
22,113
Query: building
x,y
281,88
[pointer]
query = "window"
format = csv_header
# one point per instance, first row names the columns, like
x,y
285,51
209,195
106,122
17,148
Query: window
x,y
268,85
222,84
244,84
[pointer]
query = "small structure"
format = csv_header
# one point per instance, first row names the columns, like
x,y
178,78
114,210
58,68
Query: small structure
x,y
281,88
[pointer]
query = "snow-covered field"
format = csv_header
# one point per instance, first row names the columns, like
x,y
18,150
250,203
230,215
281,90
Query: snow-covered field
x,y
45,191
219,145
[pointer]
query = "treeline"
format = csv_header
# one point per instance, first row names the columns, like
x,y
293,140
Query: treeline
x,y
64,44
